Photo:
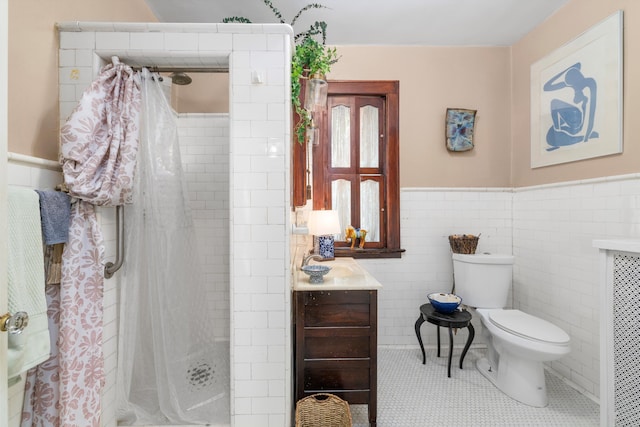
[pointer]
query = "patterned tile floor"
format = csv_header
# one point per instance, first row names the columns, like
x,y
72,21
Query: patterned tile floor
x,y
411,394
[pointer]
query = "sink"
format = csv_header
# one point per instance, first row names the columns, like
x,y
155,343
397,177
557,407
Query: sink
x,y
315,272
343,272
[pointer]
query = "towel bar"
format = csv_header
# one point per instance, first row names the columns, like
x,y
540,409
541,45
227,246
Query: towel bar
x,y
110,268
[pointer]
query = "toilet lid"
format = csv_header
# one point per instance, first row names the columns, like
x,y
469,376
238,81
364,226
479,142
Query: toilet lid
x,y
527,326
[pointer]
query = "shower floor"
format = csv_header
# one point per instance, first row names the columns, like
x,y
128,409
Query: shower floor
x,y
221,405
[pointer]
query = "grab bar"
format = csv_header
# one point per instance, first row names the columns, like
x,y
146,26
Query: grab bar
x,y
110,268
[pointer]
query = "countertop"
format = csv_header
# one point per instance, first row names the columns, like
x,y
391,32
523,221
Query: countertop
x,y
624,245
345,274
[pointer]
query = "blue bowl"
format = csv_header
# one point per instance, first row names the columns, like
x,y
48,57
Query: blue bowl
x,y
444,303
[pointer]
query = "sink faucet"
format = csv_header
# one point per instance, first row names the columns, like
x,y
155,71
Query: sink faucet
x,y
306,259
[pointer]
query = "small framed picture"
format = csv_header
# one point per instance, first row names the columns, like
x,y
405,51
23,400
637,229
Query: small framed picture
x,y
460,123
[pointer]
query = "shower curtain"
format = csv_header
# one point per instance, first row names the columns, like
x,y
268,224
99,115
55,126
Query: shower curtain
x,y
98,153
167,365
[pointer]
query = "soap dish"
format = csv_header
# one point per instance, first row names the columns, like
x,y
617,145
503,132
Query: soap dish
x,y
316,272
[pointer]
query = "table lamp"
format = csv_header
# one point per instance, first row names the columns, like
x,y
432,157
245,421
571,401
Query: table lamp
x,y
323,225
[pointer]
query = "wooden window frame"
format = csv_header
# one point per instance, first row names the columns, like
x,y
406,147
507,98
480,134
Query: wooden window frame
x,y
390,163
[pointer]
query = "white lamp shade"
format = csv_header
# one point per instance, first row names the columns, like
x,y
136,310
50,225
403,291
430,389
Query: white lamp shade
x,y
322,223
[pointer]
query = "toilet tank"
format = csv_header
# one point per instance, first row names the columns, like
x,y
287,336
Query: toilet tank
x,y
483,280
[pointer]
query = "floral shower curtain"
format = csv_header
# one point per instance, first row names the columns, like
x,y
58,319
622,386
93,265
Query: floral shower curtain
x,y
98,155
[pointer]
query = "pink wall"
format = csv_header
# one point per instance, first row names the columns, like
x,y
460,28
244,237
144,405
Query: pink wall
x,y
568,23
33,64
493,80
432,79
207,93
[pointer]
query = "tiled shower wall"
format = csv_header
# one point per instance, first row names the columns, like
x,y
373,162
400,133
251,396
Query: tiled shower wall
x,y
204,149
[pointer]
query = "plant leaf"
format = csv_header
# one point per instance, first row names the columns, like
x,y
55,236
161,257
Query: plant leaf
x,y
239,19
275,11
307,7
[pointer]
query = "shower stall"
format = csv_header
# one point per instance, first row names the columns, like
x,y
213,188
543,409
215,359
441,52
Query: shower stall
x,y
173,357
238,195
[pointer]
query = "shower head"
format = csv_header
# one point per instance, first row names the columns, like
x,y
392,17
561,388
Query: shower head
x,y
181,79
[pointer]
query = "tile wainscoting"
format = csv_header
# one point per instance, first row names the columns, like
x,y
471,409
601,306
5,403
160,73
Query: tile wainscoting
x,y
548,228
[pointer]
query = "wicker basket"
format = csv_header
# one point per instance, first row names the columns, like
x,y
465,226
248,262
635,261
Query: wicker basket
x,y
463,243
323,410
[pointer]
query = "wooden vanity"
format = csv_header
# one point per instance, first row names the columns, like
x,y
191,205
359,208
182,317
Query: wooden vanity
x,y
335,333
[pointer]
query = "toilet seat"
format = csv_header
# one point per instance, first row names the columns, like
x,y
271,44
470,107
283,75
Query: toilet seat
x,y
527,326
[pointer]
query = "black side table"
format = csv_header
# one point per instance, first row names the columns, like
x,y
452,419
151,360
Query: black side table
x,y
457,319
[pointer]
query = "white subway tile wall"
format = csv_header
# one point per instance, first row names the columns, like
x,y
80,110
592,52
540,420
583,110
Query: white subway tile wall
x,y
427,218
557,272
204,148
259,277
107,220
549,229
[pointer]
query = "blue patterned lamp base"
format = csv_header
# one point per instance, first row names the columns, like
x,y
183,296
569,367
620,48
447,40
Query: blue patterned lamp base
x,y
323,245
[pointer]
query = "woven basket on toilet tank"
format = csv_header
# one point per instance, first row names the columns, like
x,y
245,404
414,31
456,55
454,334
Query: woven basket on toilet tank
x,y
463,243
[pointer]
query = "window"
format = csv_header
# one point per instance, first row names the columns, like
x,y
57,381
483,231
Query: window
x,y
355,164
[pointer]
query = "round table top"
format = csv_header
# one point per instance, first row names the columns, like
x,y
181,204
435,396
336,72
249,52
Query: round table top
x,y
457,319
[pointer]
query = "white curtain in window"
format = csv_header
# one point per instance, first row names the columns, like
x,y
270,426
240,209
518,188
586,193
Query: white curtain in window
x,y
370,209
369,131
340,137
341,202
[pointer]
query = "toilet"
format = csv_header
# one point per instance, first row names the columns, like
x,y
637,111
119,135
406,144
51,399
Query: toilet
x,y
517,343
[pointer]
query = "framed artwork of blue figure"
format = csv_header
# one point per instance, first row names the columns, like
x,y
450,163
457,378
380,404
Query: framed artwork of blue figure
x,y
572,117
576,97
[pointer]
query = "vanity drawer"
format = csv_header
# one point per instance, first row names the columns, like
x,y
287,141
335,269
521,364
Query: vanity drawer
x,y
336,297
337,308
328,343
325,375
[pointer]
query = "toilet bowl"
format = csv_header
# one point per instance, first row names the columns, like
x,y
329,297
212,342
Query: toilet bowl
x,y
518,343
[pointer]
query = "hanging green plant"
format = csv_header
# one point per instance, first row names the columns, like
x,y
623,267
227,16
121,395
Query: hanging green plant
x,y
310,57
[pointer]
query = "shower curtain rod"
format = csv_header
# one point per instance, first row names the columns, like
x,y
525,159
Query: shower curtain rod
x,y
181,70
